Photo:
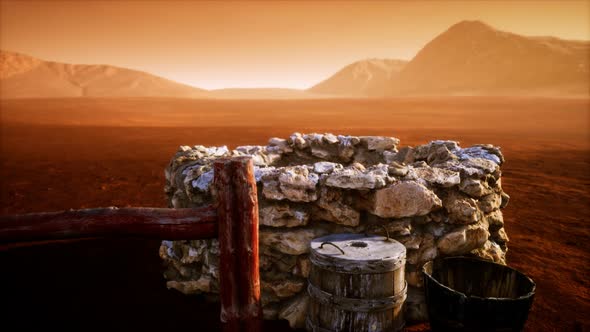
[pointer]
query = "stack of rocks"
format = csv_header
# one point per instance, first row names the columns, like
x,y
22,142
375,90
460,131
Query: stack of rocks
x,y
437,199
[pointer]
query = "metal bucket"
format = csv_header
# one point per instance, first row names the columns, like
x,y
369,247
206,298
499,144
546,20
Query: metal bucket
x,y
470,294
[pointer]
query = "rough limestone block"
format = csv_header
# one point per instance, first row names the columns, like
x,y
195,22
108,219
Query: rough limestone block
x,y
283,215
463,239
404,199
290,242
462,209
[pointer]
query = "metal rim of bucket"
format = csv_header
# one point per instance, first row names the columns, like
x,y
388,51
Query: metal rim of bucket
x,y
527,295
357,305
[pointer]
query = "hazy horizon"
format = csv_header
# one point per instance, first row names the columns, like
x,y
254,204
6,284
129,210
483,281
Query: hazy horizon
x,y
259,44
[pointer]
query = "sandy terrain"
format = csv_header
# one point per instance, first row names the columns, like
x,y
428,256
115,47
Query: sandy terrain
x,y
77,153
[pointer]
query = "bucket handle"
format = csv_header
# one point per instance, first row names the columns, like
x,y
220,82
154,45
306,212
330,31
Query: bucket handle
x,y
332,244
388,238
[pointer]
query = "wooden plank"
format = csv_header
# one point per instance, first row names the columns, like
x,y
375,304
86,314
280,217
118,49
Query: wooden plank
x,y
246,235
157,223
228,274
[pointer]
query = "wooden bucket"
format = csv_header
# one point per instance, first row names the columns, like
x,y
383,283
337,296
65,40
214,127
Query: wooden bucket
x,y
356,283
466,294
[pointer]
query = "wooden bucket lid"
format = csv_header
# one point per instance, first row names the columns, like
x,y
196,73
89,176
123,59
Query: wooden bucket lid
x,y
357,253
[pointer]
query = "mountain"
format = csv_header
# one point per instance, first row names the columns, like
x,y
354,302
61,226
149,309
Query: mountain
x,y
23,76
362,78
472,58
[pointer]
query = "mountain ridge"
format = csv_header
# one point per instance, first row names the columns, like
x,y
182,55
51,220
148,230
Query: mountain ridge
x,y
473,58
469,58
360,78
24,76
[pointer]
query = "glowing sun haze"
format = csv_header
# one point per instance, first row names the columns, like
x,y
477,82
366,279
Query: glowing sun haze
x,y
259,44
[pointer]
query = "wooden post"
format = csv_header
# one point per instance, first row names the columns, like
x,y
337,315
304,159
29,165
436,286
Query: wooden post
x,y
247,244
239,279
228,274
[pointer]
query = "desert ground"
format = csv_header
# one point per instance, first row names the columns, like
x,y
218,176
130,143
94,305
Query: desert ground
x,y
78,153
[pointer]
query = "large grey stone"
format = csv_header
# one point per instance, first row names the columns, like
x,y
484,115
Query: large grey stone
x,y
474,188
423,151
499,236
427,251
290,242
379,143
280,145
283,215
440,155
405,155
297,141
353,178
487,152
463,239
326,167
404,199
495,219
491,251
332,208
490,202
296,184
461,208
398,170
438,176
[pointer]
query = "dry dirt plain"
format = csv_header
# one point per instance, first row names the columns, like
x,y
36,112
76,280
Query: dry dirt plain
x,y
78,153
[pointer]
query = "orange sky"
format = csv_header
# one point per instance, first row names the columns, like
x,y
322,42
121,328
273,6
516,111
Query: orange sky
x,y
259,44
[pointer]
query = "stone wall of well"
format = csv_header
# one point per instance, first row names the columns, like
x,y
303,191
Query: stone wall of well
x,y
437,199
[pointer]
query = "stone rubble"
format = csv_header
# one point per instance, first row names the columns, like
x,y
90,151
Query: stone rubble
x,y
437,199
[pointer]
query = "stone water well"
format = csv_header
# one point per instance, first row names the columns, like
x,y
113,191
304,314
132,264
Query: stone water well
x,y
437,199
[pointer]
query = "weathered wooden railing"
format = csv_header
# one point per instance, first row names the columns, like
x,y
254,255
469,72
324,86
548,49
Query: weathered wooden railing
x,y
234,220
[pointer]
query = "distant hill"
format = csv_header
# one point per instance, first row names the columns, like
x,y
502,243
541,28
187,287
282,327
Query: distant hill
x,y
362,78
265,93
23,76
472,58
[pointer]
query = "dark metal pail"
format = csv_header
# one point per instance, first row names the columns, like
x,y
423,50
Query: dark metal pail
x,y
469,294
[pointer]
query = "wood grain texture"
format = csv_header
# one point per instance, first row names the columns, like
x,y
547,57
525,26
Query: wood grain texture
x,y
157,223
357,253
225,200
246,235
363,295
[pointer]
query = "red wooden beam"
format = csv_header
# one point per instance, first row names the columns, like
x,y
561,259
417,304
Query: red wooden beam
x,y
228,274
247,244
168,224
